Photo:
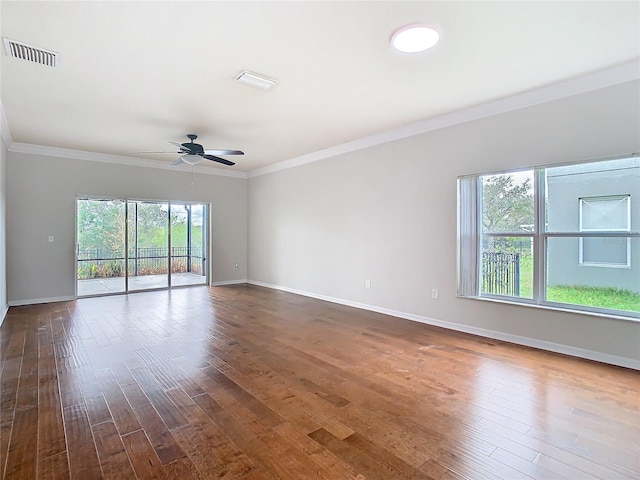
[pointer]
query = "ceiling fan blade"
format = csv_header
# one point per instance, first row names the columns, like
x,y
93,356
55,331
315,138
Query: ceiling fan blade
x,y
218,159
177,161
180,146
224,152
143,153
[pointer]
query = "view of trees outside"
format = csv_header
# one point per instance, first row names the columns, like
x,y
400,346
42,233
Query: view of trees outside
x,y
507,207
101,225
179,218
148,238
507,203
101,231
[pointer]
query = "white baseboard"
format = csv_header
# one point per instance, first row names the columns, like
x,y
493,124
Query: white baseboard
x,y
229,282
3,313
507,337
33,301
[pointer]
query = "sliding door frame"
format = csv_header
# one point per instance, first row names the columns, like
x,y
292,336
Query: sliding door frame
x,y
205,247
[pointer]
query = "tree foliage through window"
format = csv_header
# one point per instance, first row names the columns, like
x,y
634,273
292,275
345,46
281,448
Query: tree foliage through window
x,y
507,203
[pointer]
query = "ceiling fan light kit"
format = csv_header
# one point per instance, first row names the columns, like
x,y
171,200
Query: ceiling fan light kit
x,y
188,159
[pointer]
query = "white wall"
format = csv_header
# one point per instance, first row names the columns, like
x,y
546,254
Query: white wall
x,y
3,232
41,194
388,214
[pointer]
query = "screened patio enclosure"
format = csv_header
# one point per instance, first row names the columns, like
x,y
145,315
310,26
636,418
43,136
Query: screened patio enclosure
x,y
133,245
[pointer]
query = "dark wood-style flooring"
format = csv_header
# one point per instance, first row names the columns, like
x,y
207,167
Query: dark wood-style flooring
x,y
246,382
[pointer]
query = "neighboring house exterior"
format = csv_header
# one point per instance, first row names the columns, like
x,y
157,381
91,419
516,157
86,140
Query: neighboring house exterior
x,y
594,197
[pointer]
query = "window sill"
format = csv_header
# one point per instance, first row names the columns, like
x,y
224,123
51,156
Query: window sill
x,y
604,265
554,308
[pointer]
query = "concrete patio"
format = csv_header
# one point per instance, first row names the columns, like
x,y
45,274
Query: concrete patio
x,y
103,286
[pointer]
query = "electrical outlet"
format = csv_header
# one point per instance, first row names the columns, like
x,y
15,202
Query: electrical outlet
x,y
50,238
367,283
434,293
235,266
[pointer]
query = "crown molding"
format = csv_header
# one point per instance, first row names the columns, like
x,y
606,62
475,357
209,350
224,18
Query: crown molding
x,y
114,159
5,132
619,74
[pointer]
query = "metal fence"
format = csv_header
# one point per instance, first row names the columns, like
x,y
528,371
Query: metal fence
x,y
501,273
97,262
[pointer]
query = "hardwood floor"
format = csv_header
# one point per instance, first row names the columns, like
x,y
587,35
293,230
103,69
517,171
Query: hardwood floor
x,y
247,382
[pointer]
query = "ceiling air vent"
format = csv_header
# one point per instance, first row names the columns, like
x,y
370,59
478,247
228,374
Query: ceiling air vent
x,y
29,53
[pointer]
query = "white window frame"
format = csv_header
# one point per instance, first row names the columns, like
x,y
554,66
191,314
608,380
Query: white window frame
x,y
587,263
470,237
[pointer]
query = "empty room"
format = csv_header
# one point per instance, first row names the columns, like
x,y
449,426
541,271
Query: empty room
x,y
339,240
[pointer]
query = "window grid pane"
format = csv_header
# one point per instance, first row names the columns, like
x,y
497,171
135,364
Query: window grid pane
x,y
507,266
508,202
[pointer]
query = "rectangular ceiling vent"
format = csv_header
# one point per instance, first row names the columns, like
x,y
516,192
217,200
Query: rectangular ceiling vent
x,y
255,80
29,53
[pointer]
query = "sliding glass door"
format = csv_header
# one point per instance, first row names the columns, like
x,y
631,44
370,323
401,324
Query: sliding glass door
x,y
100,246
188,244
148,248
134,245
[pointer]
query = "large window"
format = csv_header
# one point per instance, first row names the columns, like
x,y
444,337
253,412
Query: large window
x,y
563,236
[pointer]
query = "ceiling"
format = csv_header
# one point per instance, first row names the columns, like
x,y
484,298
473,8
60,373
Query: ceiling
x,y
134,75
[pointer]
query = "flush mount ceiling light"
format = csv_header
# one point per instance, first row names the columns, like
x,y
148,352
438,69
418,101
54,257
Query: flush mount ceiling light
x,y
414,38
256,80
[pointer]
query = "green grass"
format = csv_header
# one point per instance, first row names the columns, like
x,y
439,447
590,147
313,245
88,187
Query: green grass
x,y
603,297
526,277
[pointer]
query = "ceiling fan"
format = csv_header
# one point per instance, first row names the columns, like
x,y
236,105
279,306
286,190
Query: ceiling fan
x,y
192,153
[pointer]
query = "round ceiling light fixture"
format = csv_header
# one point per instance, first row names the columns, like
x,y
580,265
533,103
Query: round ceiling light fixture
x,y
191,159
414,38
